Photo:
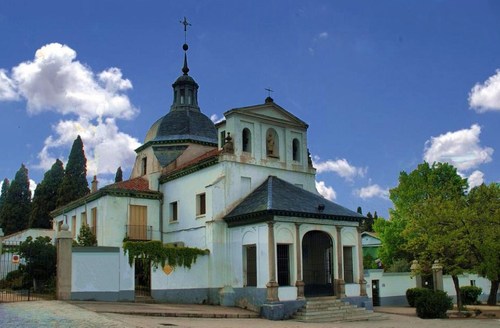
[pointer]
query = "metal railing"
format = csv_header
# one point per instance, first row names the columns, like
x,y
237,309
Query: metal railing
x,y
139,232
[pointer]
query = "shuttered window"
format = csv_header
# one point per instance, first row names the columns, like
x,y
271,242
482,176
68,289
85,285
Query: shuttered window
x,y
138,220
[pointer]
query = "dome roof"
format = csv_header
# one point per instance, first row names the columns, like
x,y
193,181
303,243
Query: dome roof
x,y
182,125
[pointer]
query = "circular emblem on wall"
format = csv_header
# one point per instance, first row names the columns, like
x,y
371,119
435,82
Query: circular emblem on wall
x,y
168,269
15,258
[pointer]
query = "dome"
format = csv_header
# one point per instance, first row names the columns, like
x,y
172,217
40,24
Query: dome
x,y
182,125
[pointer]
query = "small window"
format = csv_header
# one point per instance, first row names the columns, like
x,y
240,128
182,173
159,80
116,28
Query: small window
x,y
201,207
296,150
173,212
246,139
144,166
250,265
348,265
183,95
93,228
59,225
73,226
83,218
222,140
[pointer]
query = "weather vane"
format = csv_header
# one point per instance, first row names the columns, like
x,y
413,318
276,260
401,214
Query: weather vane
x,y
186,24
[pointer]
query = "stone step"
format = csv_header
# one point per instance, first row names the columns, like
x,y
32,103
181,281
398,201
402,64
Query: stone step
x,y
330,309
339,312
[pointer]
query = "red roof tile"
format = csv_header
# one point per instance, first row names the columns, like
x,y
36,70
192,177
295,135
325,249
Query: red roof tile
x,y
138,184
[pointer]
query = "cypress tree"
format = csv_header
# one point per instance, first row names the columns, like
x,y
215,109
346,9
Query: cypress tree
x,y
360,211
3,195
45,199
17,206
74,184
119,175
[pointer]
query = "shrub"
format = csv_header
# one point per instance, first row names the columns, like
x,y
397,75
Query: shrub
x,y
433,304
470,294
413,293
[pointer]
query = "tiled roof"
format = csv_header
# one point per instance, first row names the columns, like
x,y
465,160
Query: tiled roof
x,y
137,184
204,158
278,197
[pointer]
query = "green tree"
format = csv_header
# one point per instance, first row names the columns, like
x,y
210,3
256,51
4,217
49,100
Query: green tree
x,y
17,205
86,237
74,184
359,210
482,231
119,175
393,241
3,196
431,199
40,259
45,198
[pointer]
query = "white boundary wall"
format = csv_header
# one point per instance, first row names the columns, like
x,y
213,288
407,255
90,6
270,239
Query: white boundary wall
x,y
393,285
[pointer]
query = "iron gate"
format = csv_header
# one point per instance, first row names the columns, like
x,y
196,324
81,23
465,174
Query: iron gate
x,y
26,276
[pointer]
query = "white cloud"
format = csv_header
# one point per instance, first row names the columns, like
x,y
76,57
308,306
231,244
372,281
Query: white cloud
x,y
460,148
216,119
106,148
322,35
7,87
56,81
372,191
325,190
32,187
475,179
486,97
339,166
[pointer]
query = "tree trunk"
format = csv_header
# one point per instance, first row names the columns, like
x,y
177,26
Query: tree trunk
x,y
457,291
492,299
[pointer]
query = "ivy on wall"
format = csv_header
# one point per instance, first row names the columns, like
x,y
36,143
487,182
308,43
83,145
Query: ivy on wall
x,y
160,254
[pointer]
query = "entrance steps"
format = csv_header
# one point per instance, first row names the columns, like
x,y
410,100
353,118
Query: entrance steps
x,y
331,309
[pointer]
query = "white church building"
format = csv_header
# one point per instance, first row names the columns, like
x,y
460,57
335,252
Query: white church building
x,y
245,190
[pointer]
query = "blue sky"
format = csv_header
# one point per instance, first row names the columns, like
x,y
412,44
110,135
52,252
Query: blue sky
x,y
383,85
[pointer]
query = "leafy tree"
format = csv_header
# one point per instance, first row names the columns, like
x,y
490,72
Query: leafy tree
x,y
119,175
359,210
40,259
45,199
431,201
86,237
74,184
3,196
482,231
367,224
390,232
17,205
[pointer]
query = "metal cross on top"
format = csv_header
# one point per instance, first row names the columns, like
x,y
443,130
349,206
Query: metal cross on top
x,y
269,91
186,24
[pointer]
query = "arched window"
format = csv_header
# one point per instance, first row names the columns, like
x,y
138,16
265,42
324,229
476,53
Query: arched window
x,y
272,144
246,140
296,150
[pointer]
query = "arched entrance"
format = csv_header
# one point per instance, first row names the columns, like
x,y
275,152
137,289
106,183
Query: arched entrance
x,y
317,264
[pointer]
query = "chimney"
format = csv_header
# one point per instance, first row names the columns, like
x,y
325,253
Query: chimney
x,y
94,184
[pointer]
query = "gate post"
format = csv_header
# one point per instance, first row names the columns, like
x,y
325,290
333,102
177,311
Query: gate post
x,y
64,244
437,275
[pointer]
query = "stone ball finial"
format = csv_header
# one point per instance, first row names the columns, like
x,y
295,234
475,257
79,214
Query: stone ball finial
x,y
64,227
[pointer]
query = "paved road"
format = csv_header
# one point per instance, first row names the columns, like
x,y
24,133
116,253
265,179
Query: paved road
x,y
61,314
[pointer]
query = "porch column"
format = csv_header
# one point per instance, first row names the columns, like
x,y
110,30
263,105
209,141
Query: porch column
x,y
272,285
339,282
362,281
299,283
